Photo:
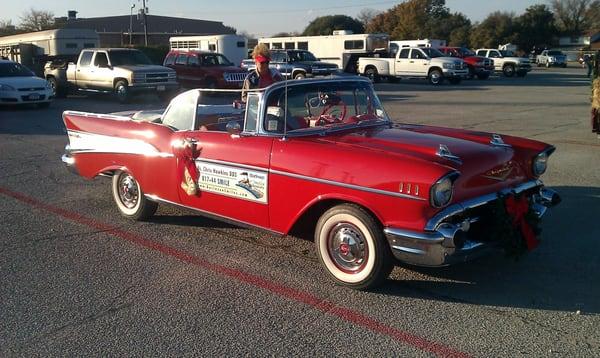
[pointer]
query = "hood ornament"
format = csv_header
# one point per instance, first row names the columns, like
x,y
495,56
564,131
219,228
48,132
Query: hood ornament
x,y
498,142
444,152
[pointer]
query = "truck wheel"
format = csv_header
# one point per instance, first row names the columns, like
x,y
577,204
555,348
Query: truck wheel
x,y
351,246
436,77
58,91
455,80
129,197
299,75
122,92
372,74
509,70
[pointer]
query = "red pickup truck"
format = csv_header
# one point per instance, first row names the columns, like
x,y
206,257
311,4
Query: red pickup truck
x,y
481,67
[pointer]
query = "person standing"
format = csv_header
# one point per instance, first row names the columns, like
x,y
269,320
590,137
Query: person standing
x,y
589,63
262,76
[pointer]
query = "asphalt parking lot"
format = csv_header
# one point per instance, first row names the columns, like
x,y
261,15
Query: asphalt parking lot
x,y
78,279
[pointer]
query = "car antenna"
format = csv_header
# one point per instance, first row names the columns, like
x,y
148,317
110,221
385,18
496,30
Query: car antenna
x,y
285,109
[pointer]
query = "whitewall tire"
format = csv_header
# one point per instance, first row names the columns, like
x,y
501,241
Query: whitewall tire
x,y
351,246
129,197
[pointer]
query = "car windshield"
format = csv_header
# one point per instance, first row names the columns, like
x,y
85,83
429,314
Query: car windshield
x,y
431,52
466,52
128,57
554,53
301,56
322,106
13,69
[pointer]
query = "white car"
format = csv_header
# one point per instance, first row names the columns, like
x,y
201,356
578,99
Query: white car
x,y
18,85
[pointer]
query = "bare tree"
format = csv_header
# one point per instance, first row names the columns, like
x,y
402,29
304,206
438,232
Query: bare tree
x,y
366,15
7,28
37,20
570,15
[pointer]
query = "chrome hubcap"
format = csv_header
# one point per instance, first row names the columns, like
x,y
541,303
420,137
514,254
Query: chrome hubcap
x,y
128,191
121,91
435,77
347,248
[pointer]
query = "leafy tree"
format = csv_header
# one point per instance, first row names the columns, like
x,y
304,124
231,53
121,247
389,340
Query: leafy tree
x,y
37,20
325,25
498,28
416,19
536,28
570,15
366,15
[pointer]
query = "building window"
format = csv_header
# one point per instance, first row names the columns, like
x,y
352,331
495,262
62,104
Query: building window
x,y
212,47
276,45
303,45
89,45
354,44
241,44
290,45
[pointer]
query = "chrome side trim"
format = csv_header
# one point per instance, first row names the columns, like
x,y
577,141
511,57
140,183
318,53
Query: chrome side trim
x,y
210,214
85,142
457,208
345,185
231,164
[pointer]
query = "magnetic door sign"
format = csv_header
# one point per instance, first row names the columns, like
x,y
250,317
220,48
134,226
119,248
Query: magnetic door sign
x,y
232,181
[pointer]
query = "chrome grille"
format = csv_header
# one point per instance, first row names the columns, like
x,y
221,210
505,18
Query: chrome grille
x,y
234,77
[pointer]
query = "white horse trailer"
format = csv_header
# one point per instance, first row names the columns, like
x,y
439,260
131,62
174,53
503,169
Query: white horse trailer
x,y
33,49
342,48
234,47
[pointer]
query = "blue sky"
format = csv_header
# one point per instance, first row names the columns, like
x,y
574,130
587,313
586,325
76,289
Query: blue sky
x,y
262,18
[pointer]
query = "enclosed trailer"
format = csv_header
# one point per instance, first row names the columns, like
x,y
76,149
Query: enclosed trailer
x,y
234,47
342,47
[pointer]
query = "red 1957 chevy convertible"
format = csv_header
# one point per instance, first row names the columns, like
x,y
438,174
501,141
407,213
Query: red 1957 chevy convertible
x,y
323,154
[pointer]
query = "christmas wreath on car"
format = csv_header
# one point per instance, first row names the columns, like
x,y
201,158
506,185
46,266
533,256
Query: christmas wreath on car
x,y
514,225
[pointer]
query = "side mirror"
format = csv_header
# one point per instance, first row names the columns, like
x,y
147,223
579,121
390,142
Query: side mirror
x,y
233,128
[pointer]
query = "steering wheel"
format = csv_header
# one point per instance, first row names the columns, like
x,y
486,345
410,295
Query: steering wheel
x,y
328,115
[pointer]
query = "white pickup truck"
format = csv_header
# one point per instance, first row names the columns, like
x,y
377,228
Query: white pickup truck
x,y
415,62
507,62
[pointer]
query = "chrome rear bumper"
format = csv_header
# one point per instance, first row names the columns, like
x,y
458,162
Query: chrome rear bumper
x,y
444,243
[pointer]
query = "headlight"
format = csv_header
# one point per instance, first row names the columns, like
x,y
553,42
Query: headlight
x,y
6,88
441,192
551,59
540,163
448,66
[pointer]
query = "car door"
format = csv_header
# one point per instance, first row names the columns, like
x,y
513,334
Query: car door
x,y
402,66
183,75
418,62
84,69
195,72
101,77
233,172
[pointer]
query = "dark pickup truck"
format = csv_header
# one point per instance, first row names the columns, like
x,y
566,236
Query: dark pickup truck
x,y
296,64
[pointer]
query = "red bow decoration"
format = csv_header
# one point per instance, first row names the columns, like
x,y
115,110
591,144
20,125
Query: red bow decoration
x,y
517,208
186,167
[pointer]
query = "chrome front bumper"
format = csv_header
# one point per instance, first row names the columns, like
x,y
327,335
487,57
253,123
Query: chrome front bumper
x,y
444,243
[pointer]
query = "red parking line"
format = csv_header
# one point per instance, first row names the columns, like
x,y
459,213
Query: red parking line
x,y
257,281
